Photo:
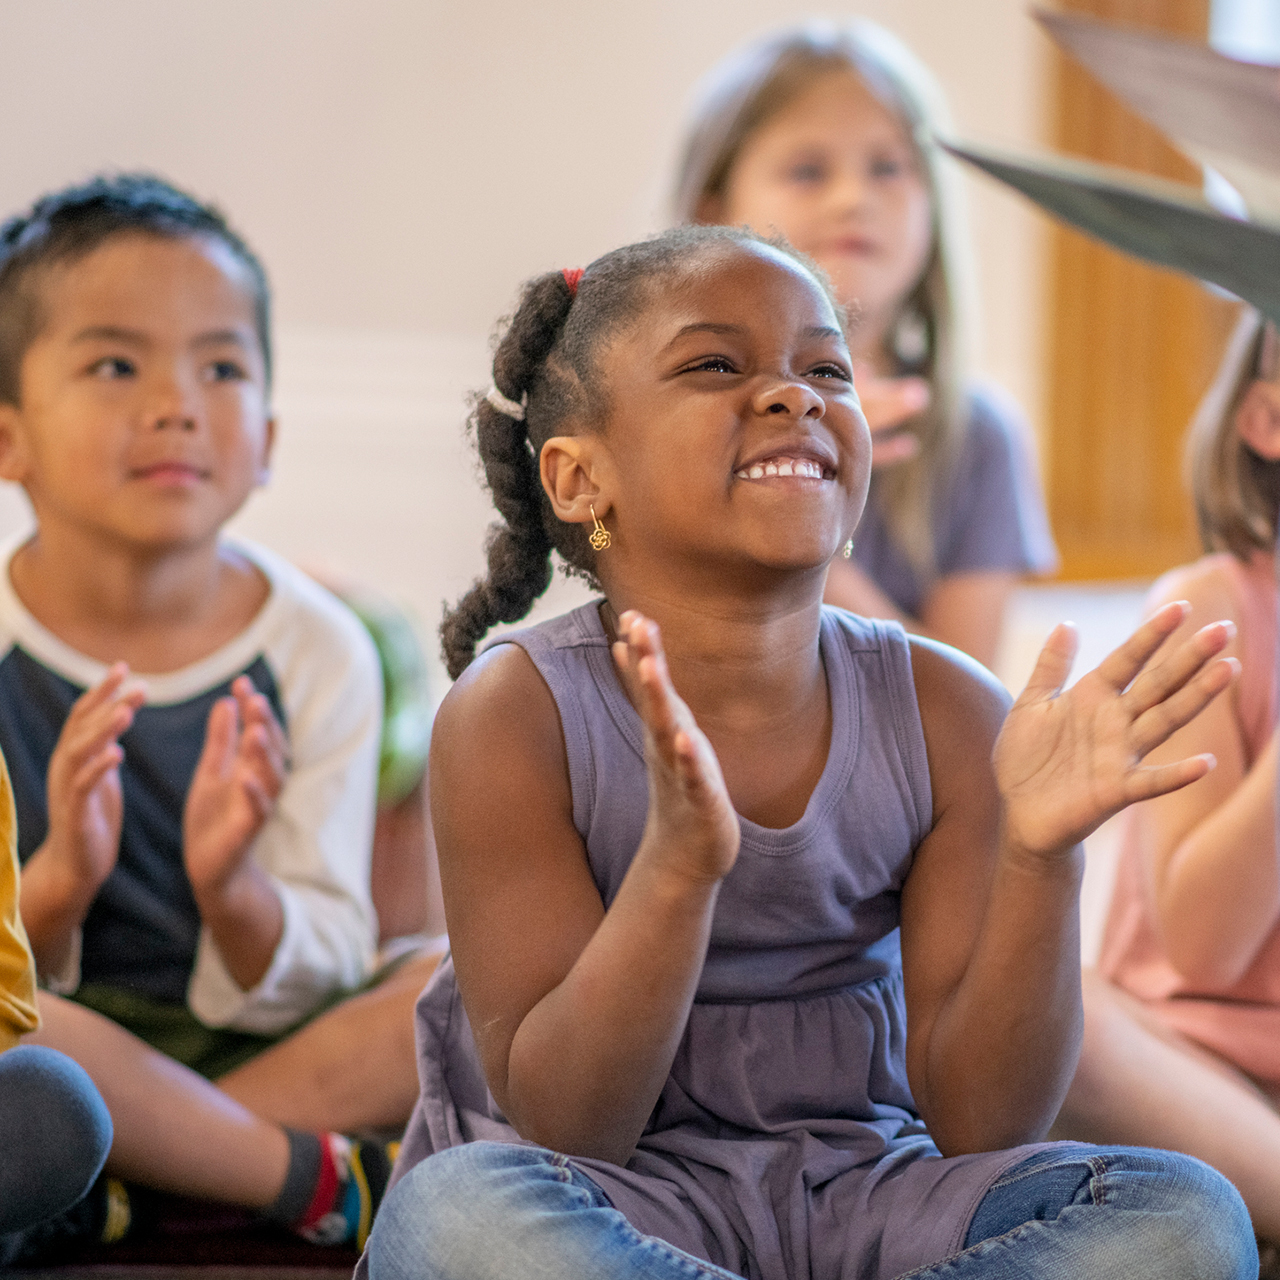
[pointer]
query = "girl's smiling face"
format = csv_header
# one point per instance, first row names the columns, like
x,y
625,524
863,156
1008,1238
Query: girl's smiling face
x,y
734,435
835,173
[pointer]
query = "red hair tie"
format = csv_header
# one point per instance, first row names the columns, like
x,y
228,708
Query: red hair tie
x,y
571,277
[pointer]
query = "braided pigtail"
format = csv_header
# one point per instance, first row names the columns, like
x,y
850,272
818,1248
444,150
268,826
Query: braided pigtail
x,y
519,548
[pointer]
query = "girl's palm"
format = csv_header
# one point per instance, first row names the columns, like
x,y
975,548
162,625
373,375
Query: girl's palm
x,y
1065,762
690,814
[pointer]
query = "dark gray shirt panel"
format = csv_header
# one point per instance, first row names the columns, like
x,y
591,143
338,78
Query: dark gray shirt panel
x,y
142,929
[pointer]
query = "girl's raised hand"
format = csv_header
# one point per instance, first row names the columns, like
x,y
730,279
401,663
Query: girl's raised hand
x,y
887,403
1065,762
692,826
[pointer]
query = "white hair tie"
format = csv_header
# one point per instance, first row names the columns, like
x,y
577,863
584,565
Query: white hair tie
x,y
512,408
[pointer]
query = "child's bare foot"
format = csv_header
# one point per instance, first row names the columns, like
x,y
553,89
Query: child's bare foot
x,y
1065,762
691,818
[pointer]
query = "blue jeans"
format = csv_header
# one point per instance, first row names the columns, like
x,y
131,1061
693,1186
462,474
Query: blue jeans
x,y
54,1135
492,1211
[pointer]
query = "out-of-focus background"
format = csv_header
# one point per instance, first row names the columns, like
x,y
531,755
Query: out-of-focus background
x,y
401,165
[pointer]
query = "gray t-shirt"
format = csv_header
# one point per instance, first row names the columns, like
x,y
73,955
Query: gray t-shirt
x,y
988,512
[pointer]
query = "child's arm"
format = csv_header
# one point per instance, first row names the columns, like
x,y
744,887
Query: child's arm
x,y
62,877
577,1012
233,792
1210,849
990,926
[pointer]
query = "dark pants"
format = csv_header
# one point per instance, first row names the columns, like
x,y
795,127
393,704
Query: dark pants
x,y
55,1134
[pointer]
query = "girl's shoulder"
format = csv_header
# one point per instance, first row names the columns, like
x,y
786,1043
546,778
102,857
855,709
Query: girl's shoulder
x,y
1221,586
513,689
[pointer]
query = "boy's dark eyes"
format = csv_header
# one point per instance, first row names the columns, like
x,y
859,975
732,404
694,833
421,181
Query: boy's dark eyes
x,y
227,371
111,367
807,171
832,371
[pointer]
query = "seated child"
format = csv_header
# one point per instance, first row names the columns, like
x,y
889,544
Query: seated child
x,y
1182,1021
818,132
54,1128
777,976
195,841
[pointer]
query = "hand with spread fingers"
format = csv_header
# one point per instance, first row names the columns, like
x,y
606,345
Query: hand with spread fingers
x,y
1067,761
691,817
233,792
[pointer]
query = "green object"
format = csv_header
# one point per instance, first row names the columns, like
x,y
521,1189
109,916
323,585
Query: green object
x,y
174,1030
407,710
209,1051
1160,222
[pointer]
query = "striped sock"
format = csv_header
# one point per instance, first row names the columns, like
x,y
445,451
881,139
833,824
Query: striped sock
x,y
333,1187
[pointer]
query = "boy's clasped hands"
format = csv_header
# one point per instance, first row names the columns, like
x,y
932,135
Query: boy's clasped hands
x,y
239,776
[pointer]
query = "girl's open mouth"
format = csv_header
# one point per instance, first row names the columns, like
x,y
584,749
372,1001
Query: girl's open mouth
x,y
803,468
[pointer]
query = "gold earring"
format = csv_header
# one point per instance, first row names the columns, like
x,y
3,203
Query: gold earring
x,y
601,538
848,549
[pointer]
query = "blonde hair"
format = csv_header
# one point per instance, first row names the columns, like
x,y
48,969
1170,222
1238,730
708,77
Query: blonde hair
x,y
1236,492
748,89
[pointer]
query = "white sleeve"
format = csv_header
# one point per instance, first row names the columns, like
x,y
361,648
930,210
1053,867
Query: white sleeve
x,y
317,844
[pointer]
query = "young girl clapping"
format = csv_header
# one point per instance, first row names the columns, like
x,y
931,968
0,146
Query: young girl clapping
x,y
761,966
1182,1046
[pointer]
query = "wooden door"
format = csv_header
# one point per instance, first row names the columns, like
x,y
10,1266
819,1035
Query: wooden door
x,y
1132,348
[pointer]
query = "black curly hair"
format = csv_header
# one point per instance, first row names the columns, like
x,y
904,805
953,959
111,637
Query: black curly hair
x,y
545,358
67,225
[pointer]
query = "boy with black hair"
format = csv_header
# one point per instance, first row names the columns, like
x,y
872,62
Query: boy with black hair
x,y
195,840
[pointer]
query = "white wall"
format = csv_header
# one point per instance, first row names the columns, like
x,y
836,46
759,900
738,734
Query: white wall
x,y
402,165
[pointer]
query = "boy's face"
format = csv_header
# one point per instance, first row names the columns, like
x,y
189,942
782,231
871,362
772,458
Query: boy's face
x,y
143,418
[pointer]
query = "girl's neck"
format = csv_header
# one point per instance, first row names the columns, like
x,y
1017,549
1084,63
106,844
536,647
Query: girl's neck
x,y
156,612
736,661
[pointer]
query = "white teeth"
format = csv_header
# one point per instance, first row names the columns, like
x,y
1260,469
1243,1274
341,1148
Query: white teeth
x,y
802,467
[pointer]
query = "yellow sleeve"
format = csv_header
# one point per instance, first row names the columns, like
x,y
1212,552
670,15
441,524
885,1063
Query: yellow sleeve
x,y
18,1012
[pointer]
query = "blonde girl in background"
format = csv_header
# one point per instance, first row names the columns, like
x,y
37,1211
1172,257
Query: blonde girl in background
x,y
1182,1032
824,133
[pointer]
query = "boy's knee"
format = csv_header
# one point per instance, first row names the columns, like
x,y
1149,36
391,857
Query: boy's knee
x,y
51,1112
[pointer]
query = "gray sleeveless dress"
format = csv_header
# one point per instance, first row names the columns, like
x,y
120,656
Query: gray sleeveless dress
x,y
785,1144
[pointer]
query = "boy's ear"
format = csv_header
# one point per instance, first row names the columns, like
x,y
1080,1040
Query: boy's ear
x,y
576,474
268,445
1258,420
13,452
